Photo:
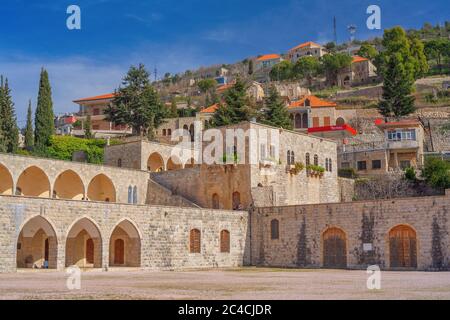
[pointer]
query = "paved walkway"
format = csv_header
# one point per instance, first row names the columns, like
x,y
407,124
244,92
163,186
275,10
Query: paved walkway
x,y
244,283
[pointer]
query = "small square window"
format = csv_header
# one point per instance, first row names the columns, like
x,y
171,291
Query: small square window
x,y
362,165
376,164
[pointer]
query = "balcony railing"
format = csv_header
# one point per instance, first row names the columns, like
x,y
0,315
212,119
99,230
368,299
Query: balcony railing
x,y
379,145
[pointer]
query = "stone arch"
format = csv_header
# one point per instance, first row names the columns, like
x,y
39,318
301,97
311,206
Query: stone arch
x,y
340,121
155,162
403,247
33,182
125,245
101,188
174,163
236,199
68,185
84,244
334,247
6,181
37,245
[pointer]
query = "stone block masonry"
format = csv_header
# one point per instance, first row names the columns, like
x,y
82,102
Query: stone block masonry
x,y
160,235
404,234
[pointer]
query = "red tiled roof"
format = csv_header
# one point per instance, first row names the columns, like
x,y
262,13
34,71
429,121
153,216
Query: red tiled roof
x,y
314,102
101,97
306,44
357,59
225,87
268,57
210,109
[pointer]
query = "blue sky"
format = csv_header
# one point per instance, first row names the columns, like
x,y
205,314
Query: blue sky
x,y
173,35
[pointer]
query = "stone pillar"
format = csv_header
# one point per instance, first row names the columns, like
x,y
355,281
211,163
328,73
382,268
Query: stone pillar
x,y
61,254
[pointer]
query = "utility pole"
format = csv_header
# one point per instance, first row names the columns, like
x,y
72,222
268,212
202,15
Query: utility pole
x,y
334,30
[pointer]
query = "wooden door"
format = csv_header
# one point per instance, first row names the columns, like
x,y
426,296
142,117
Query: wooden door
x,y
90,251
403,247
334,249
119,251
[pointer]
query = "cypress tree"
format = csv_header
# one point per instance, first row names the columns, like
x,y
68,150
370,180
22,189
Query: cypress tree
x,y
276,114
10,131
44,118
87,128
29,135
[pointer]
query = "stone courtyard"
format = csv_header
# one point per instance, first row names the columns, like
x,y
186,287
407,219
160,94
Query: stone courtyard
x,y
236,283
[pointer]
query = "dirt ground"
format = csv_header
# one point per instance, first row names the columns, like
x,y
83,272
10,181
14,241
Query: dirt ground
x,y
244,283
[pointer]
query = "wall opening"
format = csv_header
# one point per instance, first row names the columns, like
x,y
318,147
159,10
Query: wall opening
x,y
37,245
334,249
84,245
215,201
174,163
125,246
195,241
403,247
68,185
33,182
225,241
236,198
155,162
101,188
6,181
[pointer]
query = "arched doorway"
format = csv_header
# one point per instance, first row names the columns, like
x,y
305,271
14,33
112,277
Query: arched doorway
x,y
305,121
33,182
298,120
68,185
101,188
215,201
84,245
340,121
402,247
174,163
6,181
155,162
37,245
236,200
334,248
125,246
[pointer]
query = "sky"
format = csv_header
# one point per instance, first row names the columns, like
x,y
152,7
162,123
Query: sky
x,y
171,35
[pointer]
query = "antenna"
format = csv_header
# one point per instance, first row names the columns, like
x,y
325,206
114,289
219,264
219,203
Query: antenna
x,y
352,30
334,29
156,73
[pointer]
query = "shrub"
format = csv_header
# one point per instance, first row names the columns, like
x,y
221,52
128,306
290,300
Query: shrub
x,y
437,173
316,169
410,174
347,173
298,167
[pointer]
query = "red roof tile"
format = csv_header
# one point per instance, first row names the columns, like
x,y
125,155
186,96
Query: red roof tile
x,y
101,97
210,109
314,102
357,59
306,44
269,57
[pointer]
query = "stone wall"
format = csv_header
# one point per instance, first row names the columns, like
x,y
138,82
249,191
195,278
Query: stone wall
x,y
163,232
366,226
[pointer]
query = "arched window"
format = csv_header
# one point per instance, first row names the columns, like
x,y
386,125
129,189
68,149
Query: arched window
x,y
274,229
215,201
316,160
329,165
292,157
130,194
195,241
164,132
169,132
305,121
135,195
308,159
224,241
289,157
236,198
326,164
340,121
119,163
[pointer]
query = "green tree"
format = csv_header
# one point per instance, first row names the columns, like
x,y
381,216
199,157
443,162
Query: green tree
x,y
332,64
307,68
282,71
276,113
207,86
250,67
87,128
9,129
437,173
367,51
398,69
44,125
137,103
420,60
173,109
29,135
330,46
236,107
436,49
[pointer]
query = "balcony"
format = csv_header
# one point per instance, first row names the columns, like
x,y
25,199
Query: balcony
x,y
402,144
